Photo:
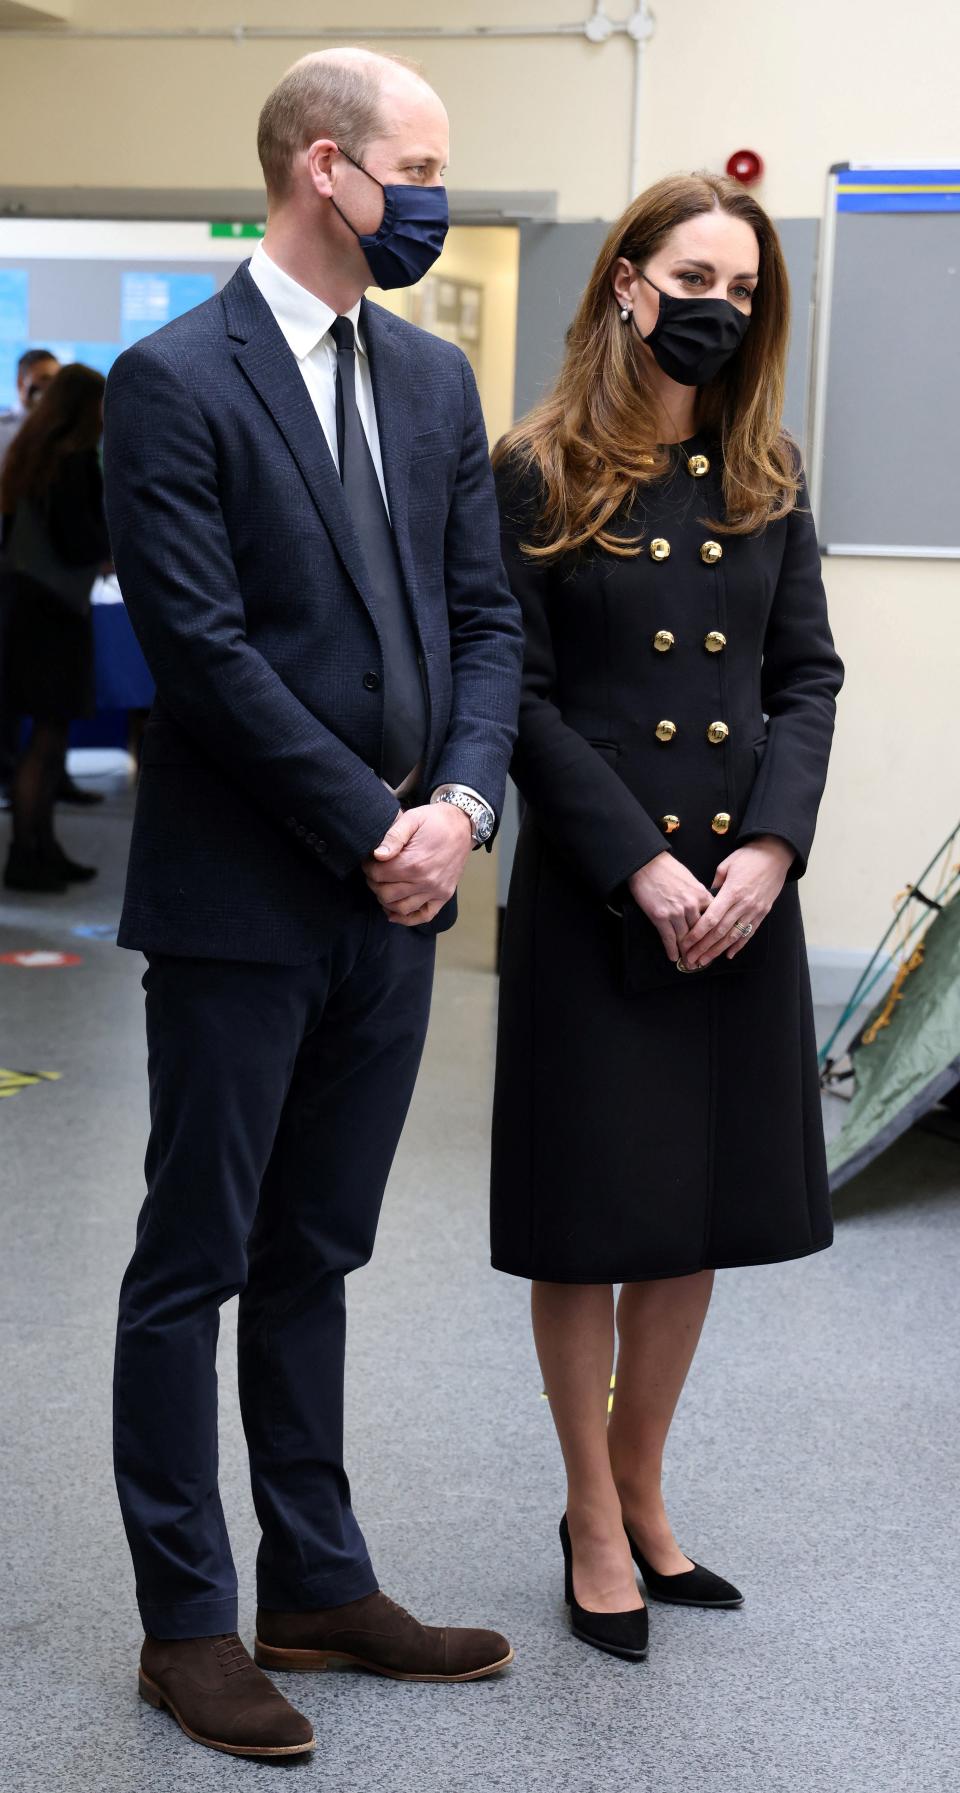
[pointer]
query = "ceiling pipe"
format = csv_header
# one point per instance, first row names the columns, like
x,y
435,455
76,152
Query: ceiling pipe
x,y
640,28
598,28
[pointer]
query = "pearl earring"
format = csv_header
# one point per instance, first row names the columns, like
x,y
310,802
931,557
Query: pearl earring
x,y
625,313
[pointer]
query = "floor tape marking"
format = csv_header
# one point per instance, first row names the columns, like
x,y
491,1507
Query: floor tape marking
x,y
40,961
12,1082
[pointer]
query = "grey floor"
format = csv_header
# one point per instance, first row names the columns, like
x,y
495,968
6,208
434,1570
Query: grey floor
x,y
815,1457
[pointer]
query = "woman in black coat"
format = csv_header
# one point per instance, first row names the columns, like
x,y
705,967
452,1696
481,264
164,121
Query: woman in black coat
x,y
54,543
657,1109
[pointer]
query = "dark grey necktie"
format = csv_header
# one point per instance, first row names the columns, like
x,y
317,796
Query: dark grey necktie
x,y
404,700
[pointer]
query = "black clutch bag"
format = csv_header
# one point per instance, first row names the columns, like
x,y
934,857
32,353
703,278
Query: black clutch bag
x,y
646,966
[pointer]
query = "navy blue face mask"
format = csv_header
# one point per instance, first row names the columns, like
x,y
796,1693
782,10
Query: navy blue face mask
x,y
411,236
694,338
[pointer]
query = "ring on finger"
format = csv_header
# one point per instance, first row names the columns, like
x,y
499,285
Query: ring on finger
x,y
743,929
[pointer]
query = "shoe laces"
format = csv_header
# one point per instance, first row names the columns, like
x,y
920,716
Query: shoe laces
x,y
401,1611
231,1653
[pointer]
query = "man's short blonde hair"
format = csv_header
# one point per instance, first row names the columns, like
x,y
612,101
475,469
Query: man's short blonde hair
x,y
330,93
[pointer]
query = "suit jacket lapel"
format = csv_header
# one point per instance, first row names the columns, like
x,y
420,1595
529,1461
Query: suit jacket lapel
x,y
271,368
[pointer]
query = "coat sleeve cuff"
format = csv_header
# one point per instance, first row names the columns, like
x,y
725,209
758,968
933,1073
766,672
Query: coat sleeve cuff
x,y
625,858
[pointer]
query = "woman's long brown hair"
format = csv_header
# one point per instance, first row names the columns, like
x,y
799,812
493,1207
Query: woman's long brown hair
x,y
65,420
594,438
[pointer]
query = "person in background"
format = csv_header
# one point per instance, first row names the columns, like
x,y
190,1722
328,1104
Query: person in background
x,y
657,1110
35,370
55,542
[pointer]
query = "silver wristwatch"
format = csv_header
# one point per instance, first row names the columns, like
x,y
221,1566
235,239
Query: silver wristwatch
x,y
482,819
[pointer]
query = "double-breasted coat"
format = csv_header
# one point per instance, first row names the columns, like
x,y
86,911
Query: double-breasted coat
x,y
651,1123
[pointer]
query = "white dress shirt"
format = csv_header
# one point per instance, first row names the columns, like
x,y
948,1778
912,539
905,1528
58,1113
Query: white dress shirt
x,y
305,321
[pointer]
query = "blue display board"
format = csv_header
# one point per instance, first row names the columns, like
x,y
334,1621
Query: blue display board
x,y
100,355
14,325
130,303
14,304
149,301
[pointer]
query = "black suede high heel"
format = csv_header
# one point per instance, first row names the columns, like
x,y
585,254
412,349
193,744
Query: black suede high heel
x,y
624,1634
692,1587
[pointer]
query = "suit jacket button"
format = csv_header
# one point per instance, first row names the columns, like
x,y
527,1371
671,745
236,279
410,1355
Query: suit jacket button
x,y
669,824
717,733
659,548
710,553
715,642
665,731
371,681
663,640
721,822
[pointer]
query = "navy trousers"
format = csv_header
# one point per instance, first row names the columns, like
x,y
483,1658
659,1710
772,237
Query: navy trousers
x,y
277,1097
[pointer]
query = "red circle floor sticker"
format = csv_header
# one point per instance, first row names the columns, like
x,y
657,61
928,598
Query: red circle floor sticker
x,y
40,961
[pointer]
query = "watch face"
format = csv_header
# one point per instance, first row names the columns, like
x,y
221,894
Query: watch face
x,y
484,826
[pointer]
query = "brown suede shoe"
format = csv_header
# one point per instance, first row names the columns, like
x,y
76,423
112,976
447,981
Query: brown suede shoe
x,y
377,1634
218,1696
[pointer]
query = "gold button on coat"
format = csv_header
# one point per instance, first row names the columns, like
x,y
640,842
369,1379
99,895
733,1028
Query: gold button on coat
x,y
717,732
710,553
669,824
698,465
666,730
659,548
663,641
714,642
721,822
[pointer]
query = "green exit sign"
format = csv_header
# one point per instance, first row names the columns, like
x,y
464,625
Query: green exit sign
x,y
237,230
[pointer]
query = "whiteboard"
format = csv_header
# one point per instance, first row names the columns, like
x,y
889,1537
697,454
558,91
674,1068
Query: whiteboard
x,y
886,395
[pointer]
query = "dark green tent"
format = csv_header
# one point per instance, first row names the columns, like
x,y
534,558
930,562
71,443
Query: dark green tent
x,y
906,1057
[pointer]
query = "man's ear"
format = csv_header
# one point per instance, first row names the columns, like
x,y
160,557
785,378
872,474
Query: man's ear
x,y
319,159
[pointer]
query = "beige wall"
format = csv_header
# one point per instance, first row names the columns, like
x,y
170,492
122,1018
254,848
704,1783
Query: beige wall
x,y
488,256
183,114
805,85
894,785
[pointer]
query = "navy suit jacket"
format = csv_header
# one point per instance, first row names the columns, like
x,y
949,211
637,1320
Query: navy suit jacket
x,y
245,581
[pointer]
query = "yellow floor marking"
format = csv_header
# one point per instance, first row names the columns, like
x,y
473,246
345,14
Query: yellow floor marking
x,y
12,1082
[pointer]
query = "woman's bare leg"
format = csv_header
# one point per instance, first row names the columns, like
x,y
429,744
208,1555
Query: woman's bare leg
x,y
659,1324
574,1332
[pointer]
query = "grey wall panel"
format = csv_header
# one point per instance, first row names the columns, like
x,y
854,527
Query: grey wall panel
x,y
555,262
799,239
893,383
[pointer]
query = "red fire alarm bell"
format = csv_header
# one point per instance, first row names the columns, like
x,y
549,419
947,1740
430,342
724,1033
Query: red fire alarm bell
x,y
745,166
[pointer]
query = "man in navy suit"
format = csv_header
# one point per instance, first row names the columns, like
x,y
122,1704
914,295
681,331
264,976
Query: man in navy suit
x,y
304,526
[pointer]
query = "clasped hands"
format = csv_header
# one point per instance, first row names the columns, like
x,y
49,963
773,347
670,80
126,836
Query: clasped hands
x,y
419,863
697,926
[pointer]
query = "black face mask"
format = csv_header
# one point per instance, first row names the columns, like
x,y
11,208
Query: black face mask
x,y
693,339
